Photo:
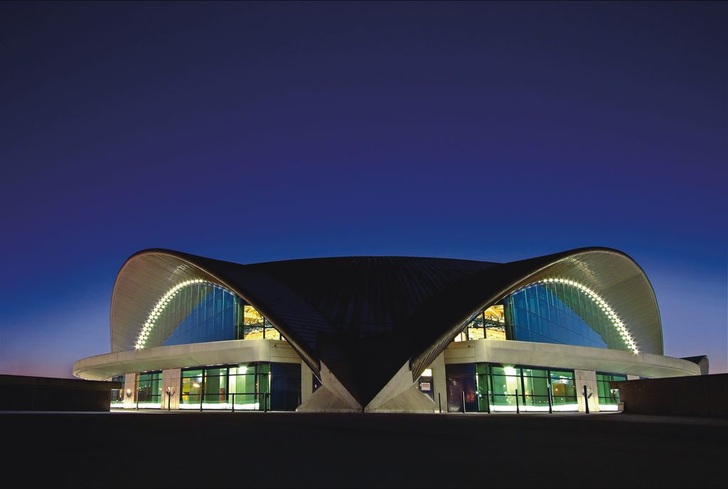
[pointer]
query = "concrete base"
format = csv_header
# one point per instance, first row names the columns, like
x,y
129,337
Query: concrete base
x,y
323,401
410,401
413,400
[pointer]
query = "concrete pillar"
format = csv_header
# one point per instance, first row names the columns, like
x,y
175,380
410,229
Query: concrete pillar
x,y
130,390
586,378
306,382
439,382
172,384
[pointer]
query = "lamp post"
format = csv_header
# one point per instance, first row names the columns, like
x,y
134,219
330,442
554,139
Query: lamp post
x,y
548,392
170,393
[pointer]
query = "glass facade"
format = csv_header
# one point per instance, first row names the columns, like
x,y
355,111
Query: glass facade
x,y
149,389
560,313
552,311
117,395
489,324
557,311
484,387
255,326
556,314
285,386
608,395
201,312
255,386
197,312
523,387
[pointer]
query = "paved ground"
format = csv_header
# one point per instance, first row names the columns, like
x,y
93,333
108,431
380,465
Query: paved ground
x,y
286,450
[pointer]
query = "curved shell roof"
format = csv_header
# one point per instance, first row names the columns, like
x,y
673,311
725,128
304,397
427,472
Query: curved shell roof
x,y
365,316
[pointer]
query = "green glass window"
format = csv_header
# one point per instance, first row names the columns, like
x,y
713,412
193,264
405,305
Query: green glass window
x,y
535,387
520,386
191,386
149,388
505,382
215,381
117,395
607,394
239,387
563,387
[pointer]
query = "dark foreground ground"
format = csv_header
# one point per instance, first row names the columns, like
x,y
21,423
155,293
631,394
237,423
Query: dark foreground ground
x,y
297,450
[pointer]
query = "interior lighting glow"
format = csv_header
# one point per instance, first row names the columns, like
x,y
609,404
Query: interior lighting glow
x,y
602,304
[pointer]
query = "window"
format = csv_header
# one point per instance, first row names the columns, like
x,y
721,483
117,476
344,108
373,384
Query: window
x,y
255,386
564,312
607,394
149,388
512,387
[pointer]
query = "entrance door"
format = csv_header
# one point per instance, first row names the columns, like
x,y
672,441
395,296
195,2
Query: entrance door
x,y
461,390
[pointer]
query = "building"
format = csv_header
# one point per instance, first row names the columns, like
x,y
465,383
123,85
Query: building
x,y
382,333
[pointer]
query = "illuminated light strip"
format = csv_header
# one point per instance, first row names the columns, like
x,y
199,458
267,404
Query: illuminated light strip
x,y
161,304
606,308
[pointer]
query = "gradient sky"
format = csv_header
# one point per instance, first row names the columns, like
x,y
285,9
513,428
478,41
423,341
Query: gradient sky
x,y
253,132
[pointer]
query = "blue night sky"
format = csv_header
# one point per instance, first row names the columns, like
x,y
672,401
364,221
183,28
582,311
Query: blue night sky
x,y
253,132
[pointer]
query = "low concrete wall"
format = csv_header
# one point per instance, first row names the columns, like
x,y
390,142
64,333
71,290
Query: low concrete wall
x,y
20,393
699,395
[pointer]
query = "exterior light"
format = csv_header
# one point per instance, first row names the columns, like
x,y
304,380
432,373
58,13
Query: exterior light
x,y
158,308
603,305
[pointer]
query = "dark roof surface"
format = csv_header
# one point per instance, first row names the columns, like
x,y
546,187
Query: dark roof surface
x,y
361,316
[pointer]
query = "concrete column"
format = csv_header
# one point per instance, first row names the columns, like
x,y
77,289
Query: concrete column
x,y
171,379
439,382
306,382
130,390
586,378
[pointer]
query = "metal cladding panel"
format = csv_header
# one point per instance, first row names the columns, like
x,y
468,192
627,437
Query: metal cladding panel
x,y
142,280
369,295
369,303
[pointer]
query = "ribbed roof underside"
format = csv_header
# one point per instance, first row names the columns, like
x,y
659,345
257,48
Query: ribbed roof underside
x,y
364,317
